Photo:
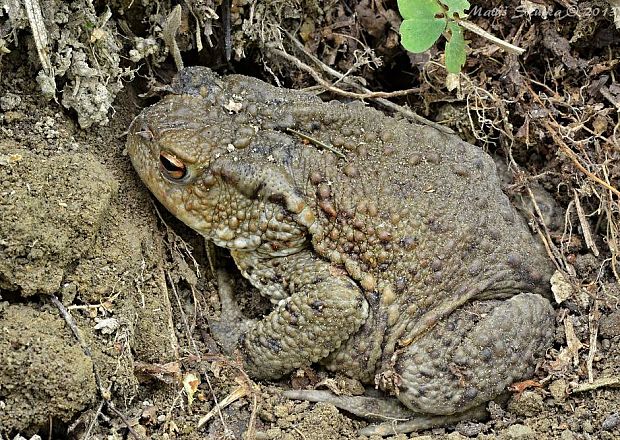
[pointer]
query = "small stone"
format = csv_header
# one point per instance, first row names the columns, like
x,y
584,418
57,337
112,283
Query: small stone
x,y
562,289
567,434
368,282
10,101
610,325
281,411
611,422
587,427
528,404
470,429
274,433
456,436
12,117
558,389
519,432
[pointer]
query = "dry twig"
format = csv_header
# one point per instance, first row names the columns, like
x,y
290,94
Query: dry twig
x,y
585,225
325,84
593,319
39,33
91,425
317,142
169,32
552,251
346,80
573,157
511,48
613,382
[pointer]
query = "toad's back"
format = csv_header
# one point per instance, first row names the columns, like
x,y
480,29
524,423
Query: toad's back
x,y
417,217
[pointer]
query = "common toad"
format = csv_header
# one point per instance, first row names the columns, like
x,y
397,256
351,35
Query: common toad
x,y
387,249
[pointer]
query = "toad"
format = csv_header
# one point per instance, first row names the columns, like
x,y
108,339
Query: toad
x,y
387,249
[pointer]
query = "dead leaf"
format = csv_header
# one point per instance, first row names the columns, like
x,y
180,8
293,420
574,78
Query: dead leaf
x,y
107,326
168,373
233,106
562,289
190,385
519,387
242,390
571,351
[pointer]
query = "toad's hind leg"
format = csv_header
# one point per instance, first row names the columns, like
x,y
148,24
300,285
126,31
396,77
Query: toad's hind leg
x,y
451,372
474,354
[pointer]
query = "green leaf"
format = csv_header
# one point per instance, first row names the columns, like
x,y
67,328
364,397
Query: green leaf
x,y
420,28
419,8
456,7
455,49
418,35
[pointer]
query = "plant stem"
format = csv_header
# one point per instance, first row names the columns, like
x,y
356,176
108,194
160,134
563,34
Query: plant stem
x,y
498,41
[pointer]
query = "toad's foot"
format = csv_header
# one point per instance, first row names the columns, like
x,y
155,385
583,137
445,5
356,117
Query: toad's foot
x,y
397,418
228,329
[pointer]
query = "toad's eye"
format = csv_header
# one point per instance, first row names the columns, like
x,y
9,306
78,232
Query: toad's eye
x,y
172,167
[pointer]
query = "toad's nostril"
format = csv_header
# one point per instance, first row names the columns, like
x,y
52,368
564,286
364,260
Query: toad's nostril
x,y
145,132
140,128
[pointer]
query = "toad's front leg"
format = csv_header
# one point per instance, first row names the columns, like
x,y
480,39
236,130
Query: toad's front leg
x,y
317,307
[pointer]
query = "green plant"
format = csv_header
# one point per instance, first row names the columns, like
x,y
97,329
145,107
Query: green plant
x,y
424,21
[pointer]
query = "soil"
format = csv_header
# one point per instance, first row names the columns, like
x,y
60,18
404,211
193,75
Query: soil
x,y
104,297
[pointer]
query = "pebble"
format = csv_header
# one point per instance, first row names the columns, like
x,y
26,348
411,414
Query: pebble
x,y
469,429
611,422
558,388
519,432
10,101
567,434
610,325
528,404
